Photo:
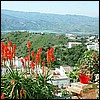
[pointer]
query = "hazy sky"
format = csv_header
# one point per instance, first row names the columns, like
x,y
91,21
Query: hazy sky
x,y
87,8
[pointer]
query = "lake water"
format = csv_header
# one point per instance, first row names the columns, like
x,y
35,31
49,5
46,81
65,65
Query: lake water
x,y
38,31
45,31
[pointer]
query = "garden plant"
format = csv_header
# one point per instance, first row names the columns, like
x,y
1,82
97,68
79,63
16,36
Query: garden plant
x,y
30,83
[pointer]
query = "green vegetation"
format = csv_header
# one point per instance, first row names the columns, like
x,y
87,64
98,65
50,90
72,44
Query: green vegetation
x,y
37,41
89,63
15,86
69,56
64,56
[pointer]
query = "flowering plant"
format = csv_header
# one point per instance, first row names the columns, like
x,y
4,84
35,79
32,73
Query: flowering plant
x,y
27,84
89,63
7,53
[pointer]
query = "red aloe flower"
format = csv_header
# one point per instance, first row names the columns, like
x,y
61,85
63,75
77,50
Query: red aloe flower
x,y
48,52
8,52
48,55
53,58
6,47
32,65
4,54
37,62
9,43
12,53
3,96
43,63
37,58
22,61
14,47
28,45
37,55
48,58
40,50
26,58
32,53
10,57
51,50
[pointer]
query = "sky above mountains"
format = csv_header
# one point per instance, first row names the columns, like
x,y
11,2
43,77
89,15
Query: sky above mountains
x,y
87,8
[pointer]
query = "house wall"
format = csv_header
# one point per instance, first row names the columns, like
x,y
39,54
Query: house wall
x,y
61,82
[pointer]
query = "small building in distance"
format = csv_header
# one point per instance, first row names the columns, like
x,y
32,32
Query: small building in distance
x,y
71,44
71,36
92,45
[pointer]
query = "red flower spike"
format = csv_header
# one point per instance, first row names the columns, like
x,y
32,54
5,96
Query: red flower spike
x,y
32,53
12,53
8,53
5,54
6,47
3,96
14,47
37,61
37,55
28,45
48,58
40,50
26,58
53,58
43,63
48,51
10,57
32,65
9,43
51,50
22,62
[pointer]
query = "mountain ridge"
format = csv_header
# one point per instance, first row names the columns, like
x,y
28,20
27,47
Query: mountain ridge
x,y
20,20
49,13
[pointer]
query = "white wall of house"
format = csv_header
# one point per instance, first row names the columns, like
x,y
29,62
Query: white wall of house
x,y
95,47
71,44
60,82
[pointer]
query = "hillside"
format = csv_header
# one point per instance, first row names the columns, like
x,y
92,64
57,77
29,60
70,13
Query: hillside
x,y
37,41
17,20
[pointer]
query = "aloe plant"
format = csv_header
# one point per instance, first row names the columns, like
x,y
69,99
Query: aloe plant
x,y
13,82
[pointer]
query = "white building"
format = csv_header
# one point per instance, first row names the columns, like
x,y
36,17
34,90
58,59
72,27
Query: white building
x,y
60,79
71,36
71,44
92,37
94,46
